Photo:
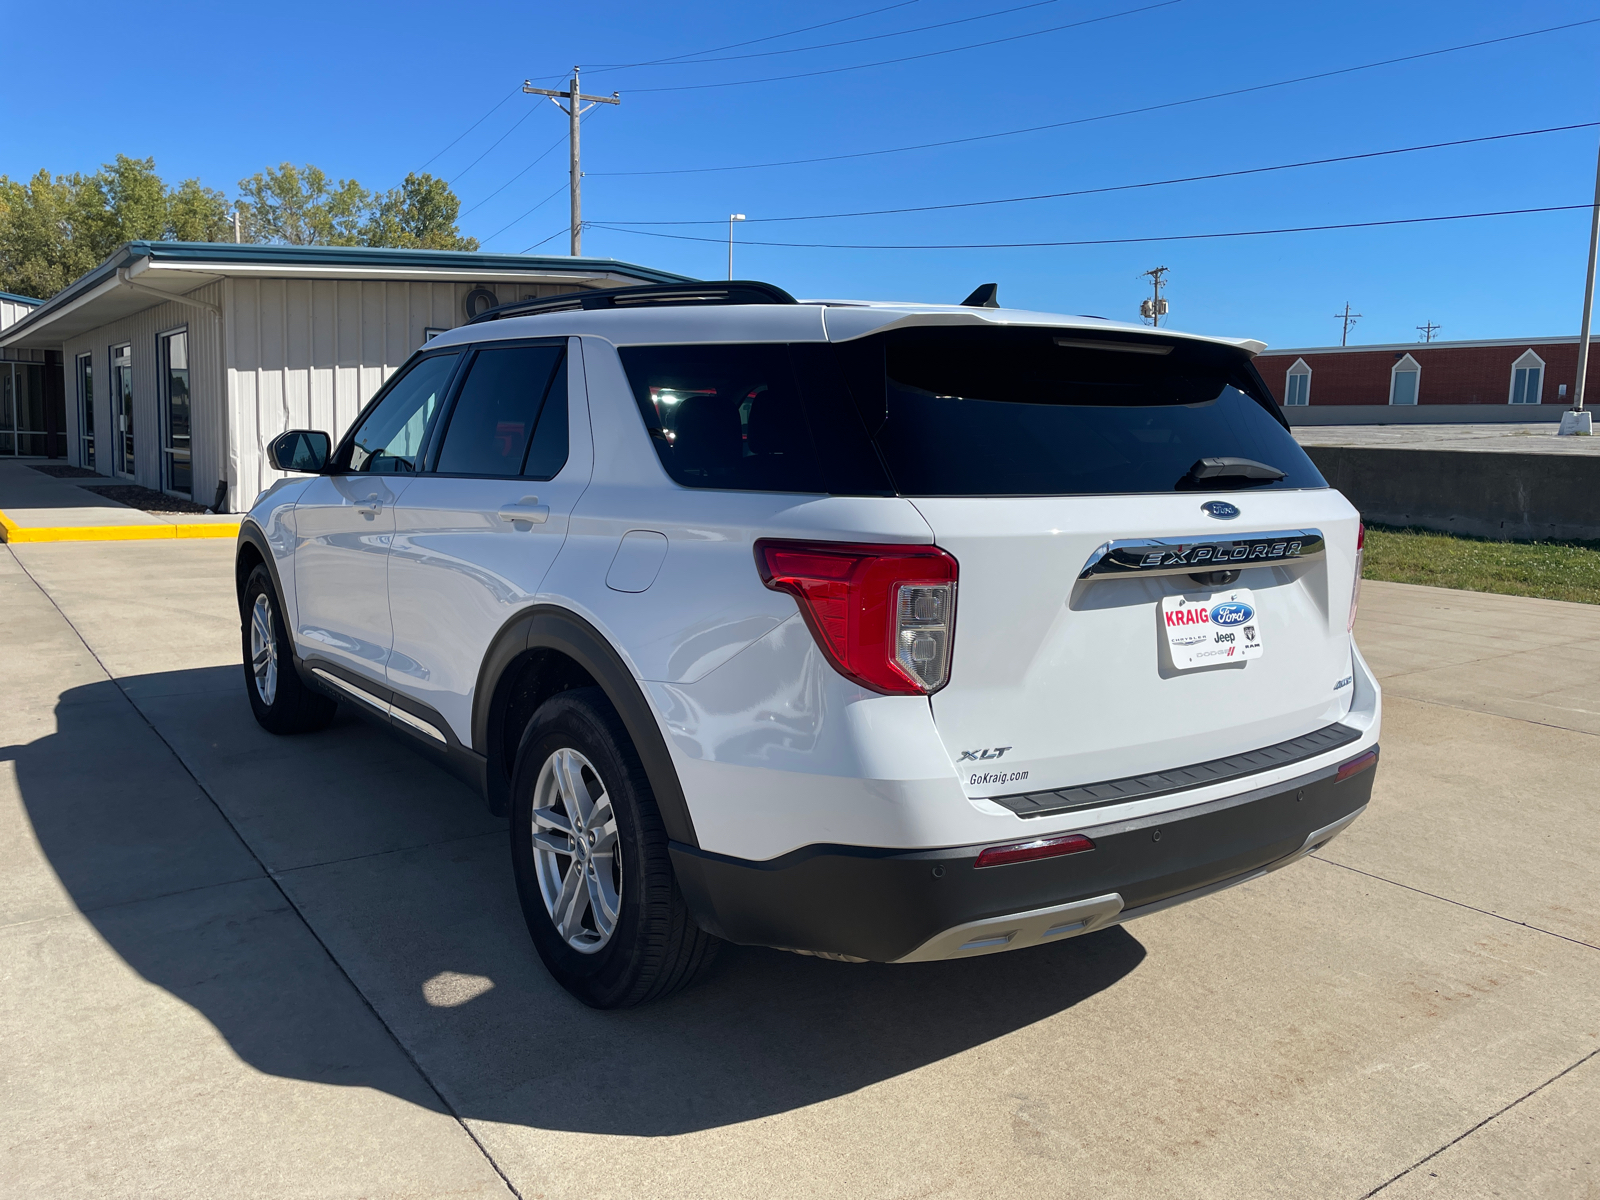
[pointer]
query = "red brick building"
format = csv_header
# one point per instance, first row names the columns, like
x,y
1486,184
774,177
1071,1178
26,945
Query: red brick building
x,y
1502,372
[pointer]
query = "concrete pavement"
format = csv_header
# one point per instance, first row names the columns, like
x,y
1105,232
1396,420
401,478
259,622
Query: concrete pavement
x,y
1517,439
241,965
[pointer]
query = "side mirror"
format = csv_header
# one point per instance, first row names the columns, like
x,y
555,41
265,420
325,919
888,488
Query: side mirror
x,y
303,450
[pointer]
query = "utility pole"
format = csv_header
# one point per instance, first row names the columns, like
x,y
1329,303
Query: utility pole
x,y
235,226
1588,301
1155,308
574,110
1349,318
1427,331
732,217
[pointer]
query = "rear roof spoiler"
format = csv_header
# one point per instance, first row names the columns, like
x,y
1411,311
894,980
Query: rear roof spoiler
x,y
650,295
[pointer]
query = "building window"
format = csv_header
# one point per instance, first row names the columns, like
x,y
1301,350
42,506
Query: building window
x,y
86,411
1297,385
122,408
1527,379
177,467
22,418
1403,380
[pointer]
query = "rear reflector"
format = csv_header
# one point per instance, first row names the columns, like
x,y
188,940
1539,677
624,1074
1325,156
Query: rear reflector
x,y
1357,765
1361,561
1050,847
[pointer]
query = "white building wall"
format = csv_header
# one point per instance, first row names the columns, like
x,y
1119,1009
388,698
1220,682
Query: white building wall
x,y
11,312
309,354
205,390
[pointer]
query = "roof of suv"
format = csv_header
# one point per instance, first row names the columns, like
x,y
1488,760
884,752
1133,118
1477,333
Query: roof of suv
x,y
803,321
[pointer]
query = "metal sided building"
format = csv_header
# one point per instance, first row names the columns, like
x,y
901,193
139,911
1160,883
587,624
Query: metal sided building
x,y
30,421
181,360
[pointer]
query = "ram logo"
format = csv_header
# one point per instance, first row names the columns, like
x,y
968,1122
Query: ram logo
x,y
988,755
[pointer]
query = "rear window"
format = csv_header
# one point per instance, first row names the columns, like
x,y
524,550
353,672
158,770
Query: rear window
x,y
964,412
1049,412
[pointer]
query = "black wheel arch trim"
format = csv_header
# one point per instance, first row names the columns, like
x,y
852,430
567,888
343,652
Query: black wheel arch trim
x,y
550,627
250,532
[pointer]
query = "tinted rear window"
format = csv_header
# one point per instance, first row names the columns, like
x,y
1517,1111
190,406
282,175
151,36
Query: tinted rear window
x,y
755,418
1030,412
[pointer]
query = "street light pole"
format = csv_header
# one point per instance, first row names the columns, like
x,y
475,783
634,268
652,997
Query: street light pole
x,y
732,217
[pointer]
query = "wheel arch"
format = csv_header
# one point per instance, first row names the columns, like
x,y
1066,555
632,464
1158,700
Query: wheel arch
x,y
253,551
547,650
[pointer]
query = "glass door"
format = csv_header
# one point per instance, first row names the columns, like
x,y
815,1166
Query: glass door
x,y
8,411
22,425
122,406
86,411
177,468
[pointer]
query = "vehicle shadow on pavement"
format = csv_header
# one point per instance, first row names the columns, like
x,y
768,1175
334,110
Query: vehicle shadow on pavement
x,y
428,928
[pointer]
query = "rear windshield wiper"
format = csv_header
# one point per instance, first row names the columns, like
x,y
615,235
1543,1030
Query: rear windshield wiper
x,y
1246,471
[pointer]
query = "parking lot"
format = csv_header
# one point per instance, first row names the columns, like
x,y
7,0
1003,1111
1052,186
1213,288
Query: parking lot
x,y
237,965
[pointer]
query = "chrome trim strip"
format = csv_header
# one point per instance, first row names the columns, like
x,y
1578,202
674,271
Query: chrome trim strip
x,y
1181,556
359,693
418,723
382,706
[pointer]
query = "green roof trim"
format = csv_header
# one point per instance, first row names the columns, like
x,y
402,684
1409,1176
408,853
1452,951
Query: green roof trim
x,y
16,299
221,254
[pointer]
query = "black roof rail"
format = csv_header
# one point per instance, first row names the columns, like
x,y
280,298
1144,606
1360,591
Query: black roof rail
x,y
733,291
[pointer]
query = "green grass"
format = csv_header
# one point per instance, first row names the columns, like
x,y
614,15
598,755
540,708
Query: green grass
x,y
1551,570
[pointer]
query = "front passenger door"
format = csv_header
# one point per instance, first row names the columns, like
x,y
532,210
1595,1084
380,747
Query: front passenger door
x,y
344,519
475,536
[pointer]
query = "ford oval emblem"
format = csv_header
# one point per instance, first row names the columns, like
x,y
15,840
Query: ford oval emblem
x,y
1220,509
1231,613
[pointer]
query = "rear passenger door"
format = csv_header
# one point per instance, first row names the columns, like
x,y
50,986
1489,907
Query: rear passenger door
x,y
476,532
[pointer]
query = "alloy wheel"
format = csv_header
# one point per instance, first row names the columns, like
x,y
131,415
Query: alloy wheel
x,y
263,650
577,859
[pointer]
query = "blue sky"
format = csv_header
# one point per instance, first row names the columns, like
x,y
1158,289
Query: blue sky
x,y
373,92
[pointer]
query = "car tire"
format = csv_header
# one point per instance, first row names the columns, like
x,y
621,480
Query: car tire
x,y
589,851
279,698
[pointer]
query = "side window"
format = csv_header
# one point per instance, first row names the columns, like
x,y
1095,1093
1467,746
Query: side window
x,y
725,416
493,423
548,454
388,439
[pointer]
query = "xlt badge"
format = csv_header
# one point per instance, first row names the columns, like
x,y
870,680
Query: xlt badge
x,y
986,755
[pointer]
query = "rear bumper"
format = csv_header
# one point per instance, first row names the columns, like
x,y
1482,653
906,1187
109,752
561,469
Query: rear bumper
x,y
895,905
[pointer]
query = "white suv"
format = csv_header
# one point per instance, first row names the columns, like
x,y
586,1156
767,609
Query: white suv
x,y
889,632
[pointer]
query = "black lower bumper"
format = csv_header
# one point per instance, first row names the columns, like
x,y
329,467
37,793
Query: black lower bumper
x,y
882,904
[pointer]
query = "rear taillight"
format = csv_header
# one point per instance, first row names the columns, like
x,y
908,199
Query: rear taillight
x,y
1045,847
1361,557
883,615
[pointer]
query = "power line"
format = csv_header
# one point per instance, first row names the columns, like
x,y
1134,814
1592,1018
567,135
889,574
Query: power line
x,y
1127,112
529,213
542,241
876,37
514,126
771,37
1125,241
475,124
1128,187
518,175
1016,37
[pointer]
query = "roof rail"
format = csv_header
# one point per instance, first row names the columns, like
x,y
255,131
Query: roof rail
x,y
734,291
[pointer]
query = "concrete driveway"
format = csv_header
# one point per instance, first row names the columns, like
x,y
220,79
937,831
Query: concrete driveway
x,y
236,965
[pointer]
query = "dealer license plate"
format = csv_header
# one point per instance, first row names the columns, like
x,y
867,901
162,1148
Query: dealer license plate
x,y
1207,628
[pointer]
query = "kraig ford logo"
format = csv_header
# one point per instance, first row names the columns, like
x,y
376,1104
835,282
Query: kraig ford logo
x,y
1231,613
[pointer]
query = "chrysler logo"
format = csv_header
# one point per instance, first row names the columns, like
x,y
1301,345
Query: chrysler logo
x,y
1220,509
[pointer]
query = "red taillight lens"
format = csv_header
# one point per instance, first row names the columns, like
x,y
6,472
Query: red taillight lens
x,y
883,615
1361,558
1357,765
1050,847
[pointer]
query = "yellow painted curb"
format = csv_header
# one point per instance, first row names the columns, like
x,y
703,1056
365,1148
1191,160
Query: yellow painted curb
x,y
10,531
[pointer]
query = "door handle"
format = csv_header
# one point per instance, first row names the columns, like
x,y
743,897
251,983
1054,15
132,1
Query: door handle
x,y
527,511
370,507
